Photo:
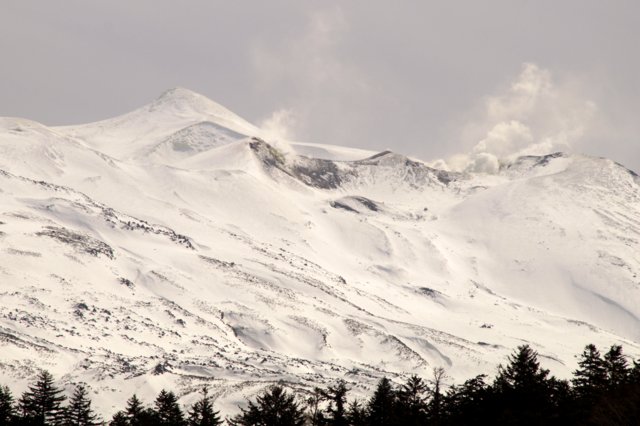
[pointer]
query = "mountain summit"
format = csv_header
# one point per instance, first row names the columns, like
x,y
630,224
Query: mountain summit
x,y
175,245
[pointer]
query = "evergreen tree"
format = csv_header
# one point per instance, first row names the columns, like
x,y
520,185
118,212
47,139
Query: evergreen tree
x,y
274,407
168,411
134,411
119,419
591,378
137,415
381,409
606,391
40,405
202,413
412,401
616,367
79,411
620,403
523,389
356,414
634,374
589,382
469,403
7,406
337,410
523,371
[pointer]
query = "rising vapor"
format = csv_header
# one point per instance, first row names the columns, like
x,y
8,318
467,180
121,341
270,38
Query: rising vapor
x,y
534,116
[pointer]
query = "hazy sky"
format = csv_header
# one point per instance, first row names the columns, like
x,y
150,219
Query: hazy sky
x,y
483,79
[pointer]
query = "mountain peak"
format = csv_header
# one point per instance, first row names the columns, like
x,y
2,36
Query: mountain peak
x,y
180,101
179,91
185,100
182,95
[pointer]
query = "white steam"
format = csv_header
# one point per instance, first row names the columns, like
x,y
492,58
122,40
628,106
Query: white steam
x,y
280,125
310,76
534,116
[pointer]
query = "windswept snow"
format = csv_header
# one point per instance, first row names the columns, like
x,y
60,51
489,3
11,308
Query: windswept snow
x,y
174,246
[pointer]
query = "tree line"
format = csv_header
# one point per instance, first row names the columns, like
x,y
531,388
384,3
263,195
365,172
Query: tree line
x,y
604,390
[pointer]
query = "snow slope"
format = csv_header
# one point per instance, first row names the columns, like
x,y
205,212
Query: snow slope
x,y
172,246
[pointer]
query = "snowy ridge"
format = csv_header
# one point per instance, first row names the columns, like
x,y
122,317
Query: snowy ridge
x,y
174,111
175,245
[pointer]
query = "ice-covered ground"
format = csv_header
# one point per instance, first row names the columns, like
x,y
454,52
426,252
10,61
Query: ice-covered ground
x,y
175,246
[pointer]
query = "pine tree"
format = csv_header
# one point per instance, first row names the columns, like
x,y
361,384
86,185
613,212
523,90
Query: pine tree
x,y
337,410
616,367
523,389
137,415
40,405
134,410
620,403
381,409
634,374
522,372
79,411
7,406
119,419
274,407
591,378
589,382
202,413
412,401
468,403
168,411
356,414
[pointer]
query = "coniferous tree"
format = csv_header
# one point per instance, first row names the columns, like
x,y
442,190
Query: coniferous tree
x,y
168,412
41,404
356,414
589,382
137,415
620,403
412,401
634,374
337,398
591,378
469,403
202,412
79,411
134,411
603,391
381,409
616,367
274,407
522,372
7,406
119,419
523,389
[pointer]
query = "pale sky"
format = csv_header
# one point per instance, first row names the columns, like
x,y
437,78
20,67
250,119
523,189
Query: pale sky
x,y
423,78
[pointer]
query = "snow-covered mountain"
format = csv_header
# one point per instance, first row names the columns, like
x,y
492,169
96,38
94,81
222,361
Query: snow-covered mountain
x,y
177,245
